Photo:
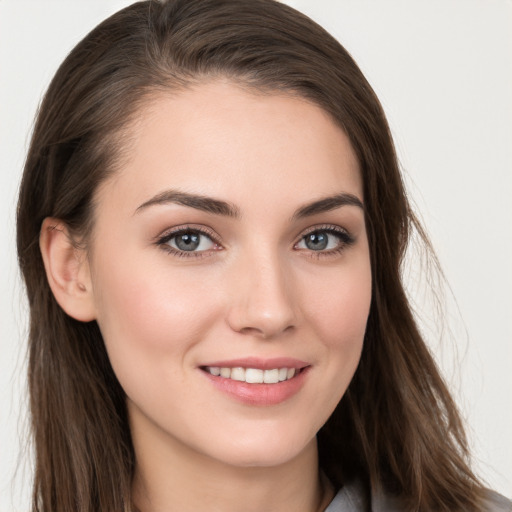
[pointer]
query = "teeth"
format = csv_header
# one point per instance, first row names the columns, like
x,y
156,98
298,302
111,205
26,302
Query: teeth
x,y
225,372
271,376
253,375
214,370
238,374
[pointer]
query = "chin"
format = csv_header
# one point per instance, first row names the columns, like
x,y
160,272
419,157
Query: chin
x,y
260,450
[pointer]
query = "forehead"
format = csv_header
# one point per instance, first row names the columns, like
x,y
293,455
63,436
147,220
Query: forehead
x,y
223,140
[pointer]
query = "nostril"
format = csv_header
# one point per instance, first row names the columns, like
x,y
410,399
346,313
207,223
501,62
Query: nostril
x,y
263,306
266,332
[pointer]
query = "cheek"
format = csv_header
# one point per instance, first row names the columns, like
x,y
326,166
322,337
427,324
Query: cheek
x,y
148,312
339,306
338,313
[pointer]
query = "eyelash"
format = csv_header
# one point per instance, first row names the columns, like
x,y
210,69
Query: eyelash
x,y
163,241
344,237
345,240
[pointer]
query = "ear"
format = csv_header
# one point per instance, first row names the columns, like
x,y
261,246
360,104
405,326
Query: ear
x,y
67,270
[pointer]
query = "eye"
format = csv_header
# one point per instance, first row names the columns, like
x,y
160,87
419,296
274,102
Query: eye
x,y
191,241
329,240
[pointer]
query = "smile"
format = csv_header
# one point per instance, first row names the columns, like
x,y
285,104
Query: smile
x,y
252,375
258,381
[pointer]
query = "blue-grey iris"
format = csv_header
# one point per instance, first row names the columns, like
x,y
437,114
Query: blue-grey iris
x,y
187,241
316,241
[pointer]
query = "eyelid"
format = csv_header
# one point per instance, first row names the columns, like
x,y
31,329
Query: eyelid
x,y
332,228
163,238
323,227
346,239
175,230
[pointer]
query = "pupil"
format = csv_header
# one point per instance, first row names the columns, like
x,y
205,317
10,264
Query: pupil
x,y
317,241
187,241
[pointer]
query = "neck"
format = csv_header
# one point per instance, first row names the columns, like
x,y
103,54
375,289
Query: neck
x,y
173,477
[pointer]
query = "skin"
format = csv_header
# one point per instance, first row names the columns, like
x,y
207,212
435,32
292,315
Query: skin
x,y
253,289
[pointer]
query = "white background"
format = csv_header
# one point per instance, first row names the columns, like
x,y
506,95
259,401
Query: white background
x,y
443,71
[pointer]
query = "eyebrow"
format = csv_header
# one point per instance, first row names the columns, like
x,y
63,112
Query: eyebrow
x,y
327,204
197,201
219,207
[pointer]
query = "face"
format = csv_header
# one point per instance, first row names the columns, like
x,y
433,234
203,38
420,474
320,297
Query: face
x,y
230,273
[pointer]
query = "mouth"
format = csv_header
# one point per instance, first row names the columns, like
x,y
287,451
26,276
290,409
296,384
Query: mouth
x,y
253,375
258,382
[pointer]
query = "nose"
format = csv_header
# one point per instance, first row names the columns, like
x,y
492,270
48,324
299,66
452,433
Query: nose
x,y
262,299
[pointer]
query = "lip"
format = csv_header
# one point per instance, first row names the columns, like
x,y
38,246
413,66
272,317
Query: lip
x,y
259,394
260,363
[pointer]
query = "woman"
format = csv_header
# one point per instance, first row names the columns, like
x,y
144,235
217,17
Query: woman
x,y
217,316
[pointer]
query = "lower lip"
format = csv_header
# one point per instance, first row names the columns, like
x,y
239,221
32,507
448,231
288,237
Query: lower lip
x,y
259,394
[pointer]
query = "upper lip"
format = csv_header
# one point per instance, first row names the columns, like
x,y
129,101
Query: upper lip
x,y
260,363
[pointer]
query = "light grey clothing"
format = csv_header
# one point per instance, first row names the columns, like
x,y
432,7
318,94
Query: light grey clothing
x,y
353,498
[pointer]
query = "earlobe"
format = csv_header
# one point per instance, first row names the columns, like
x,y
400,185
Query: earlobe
x,y
67,270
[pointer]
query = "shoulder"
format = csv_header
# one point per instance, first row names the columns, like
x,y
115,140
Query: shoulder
x,y
495,502
354,497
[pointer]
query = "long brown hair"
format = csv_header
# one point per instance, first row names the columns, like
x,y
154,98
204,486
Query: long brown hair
x,y
396,427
